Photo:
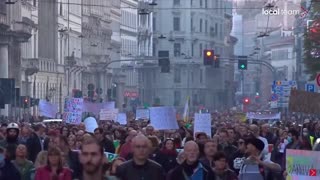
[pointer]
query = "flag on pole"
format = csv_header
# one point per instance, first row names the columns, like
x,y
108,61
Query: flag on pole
x,y
186,111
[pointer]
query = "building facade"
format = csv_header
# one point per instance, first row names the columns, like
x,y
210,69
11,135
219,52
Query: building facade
x,y
186,29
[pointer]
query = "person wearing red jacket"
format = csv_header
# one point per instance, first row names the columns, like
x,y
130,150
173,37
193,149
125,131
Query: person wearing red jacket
x,y
54,169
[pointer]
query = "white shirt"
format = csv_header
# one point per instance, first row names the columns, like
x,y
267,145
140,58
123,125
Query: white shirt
x,y
266,145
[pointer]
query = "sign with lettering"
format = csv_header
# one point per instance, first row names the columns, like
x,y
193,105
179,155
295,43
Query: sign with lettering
x,y
302,165
131,94
73,110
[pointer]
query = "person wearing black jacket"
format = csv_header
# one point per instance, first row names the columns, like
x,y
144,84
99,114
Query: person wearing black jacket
x,y
105,143
238,157
7,169
167,155
191,168
140,167
35,142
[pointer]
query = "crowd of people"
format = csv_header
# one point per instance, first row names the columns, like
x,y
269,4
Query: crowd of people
x,y
236,150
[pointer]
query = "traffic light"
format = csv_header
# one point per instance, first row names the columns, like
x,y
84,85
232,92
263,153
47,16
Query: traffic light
x,y
246,101
242,63
216,61
34,102
164,61
25,101
208,57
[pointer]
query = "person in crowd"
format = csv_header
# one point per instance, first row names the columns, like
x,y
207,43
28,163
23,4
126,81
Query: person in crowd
x,y
168,155
255,132
221,170
228,148
113,168
49,140
125,149
150,130
22,163
232,136
41,160
140,167
210,148
201,138
309,139
12,140
106,143
79,135
72,142
64,131
154,151
256,166
265,133
54,168
7,169
72,157
35,142
191,168
92,159
181,157
24,135
238,157
294,140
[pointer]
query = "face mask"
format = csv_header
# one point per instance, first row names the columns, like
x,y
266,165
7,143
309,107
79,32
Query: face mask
x,y
289,139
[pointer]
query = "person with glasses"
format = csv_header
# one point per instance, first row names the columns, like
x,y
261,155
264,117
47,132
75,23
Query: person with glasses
x,y
140,167
238,157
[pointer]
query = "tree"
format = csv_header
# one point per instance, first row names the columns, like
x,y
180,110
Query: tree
x,y
312,41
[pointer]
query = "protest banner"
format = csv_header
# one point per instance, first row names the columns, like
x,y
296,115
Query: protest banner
x,y
263,116
163,118
122,118
47,109
202,123
302,165
109,114
142,114
304,102
95,108
73,110
90,124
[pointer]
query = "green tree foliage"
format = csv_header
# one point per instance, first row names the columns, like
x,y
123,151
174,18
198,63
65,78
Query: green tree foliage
x,y
312,41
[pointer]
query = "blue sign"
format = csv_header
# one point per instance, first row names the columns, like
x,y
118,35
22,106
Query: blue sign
x,y
310,88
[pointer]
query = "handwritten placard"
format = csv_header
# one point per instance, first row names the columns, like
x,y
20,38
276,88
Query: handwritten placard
x,y
73,110
202,123
142,114
302,165
47,109
122,118
163,118
95,108
109,114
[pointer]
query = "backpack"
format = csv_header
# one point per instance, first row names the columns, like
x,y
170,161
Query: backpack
x,y
251,170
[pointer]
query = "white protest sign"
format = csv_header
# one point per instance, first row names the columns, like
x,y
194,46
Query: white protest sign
x,y
73,110
142,114
109,114
47,109
202,123
122,118
163,118
90,124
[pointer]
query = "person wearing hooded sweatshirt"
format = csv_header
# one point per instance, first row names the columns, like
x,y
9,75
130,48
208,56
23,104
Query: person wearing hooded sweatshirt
x,y
11,142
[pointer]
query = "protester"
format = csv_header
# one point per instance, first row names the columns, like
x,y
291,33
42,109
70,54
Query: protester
x,y
92,159
54,168
105,142
35,142
221,169
7,169
191,168
12,140
21,162
168,155
210,148
140,167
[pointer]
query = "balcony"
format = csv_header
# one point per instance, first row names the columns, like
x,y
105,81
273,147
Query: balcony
x,y
23,30
4,25
30,65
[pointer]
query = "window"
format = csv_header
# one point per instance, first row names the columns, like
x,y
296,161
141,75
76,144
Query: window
x,y
176,2
192,76
216,29
206,3
177,98
280,54
35,3
206,26
154,27
176,24
177,49
200,25
191,23
200,48
191,2
201,78
60,12
192,49
177,75
200,3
